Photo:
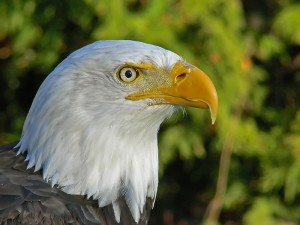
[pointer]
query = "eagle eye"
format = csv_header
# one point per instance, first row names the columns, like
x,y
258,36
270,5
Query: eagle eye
x,y
128,74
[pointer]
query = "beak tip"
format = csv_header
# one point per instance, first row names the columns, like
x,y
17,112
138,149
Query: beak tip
x,y
213,118
213,108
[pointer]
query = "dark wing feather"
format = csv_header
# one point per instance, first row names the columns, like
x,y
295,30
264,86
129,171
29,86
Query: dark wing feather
x,y
25,198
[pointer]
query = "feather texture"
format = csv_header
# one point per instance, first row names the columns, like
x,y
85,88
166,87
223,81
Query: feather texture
x,y
25,198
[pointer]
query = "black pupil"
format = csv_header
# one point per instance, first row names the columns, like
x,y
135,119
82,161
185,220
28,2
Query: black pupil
x,y
128,73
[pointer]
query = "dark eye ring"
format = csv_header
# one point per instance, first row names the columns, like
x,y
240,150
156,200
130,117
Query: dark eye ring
x,y
128,74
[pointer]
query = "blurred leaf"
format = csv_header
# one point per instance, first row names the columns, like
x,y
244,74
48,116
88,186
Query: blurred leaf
x,y
287,23
235,196
262,212
269,46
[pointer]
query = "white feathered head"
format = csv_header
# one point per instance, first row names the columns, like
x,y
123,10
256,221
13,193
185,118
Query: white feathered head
x,y
92,127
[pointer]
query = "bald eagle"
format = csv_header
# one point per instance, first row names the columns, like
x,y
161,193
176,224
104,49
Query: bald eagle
x,y
88,152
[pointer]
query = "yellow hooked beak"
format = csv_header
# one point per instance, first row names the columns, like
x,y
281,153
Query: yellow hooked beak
x,y
189,86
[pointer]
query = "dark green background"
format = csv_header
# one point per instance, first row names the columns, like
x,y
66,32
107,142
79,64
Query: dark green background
x,y
250,49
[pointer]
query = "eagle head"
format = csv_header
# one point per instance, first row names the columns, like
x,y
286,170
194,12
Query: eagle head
x,y
92,127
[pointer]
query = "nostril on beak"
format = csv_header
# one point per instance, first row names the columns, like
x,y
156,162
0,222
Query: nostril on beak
x,y
180,77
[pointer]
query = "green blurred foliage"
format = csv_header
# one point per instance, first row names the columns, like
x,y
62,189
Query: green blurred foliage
x,y
250,49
